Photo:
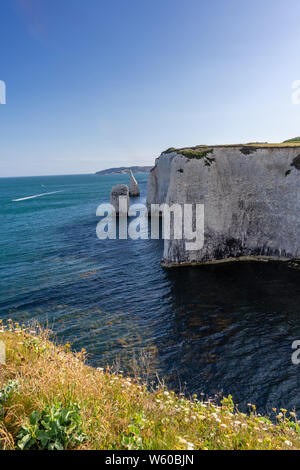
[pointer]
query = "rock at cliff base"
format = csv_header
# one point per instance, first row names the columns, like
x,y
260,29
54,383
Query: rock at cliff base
x,y
134,189
117,191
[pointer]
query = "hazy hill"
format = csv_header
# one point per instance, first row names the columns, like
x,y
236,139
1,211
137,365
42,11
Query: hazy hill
x,y
124,170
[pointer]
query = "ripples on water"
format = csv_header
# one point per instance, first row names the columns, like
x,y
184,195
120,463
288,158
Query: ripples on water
x,y
211,329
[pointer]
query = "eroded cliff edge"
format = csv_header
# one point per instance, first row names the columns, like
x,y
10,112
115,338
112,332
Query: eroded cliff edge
x,y
251,197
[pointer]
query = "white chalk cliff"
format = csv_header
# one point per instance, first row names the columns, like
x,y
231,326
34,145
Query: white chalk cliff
x,y
251,197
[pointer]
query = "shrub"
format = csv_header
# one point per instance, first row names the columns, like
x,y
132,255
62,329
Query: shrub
x,y
198,154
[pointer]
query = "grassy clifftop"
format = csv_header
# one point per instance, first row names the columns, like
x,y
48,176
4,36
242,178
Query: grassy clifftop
x,y
50,399
252,145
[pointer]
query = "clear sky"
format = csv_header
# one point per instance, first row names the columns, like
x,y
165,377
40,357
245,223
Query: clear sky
x,y
93,84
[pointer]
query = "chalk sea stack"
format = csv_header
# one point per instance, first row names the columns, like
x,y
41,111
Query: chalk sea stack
x,y
251,197
116,192
134,190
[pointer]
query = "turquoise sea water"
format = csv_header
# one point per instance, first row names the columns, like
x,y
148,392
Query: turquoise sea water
x,y
214,329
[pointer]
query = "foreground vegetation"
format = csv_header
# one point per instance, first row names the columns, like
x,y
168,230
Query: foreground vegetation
x,y
50,399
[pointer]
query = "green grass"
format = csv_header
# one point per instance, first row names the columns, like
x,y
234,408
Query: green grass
x,y
294,140
43,383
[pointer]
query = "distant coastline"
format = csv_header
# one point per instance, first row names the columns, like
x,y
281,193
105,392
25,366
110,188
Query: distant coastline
x,y
124,170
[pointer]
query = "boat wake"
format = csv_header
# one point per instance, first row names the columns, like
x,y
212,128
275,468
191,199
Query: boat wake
x,y
35,195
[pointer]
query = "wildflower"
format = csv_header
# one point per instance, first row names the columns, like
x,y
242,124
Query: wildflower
x,y
288,443
223,425
190,445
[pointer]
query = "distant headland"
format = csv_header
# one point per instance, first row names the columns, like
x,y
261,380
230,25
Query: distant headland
x,y
124,170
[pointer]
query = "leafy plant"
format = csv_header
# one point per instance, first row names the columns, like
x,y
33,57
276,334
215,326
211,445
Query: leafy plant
x,y
227,403
35,344
55,428
132,439
5,393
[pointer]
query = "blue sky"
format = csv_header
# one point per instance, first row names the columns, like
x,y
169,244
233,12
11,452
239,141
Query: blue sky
x,y
94,84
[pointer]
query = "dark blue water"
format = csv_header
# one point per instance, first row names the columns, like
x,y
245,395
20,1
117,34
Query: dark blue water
x,y
212,329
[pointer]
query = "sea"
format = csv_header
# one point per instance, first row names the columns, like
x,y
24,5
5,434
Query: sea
x,y
210,330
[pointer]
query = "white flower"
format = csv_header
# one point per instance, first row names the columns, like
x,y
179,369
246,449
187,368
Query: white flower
x,y
190,445
288,443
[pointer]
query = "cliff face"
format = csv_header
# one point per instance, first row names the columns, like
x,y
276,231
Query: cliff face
x,y
251,197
